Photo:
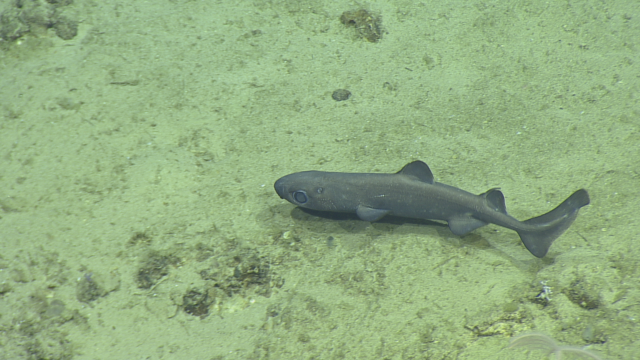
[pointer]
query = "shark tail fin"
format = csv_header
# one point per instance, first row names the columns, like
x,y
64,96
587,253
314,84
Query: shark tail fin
x,y
552,224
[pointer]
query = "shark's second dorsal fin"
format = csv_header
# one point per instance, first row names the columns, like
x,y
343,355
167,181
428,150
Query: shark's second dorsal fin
x,y
418,169
495,199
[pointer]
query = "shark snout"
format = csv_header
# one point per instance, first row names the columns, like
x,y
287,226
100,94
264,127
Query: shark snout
x,y
281,188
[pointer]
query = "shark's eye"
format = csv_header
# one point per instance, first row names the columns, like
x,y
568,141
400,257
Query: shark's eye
x,y
320,190
300,197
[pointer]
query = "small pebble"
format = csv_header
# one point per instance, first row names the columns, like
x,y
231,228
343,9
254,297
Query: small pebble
x,y
341,95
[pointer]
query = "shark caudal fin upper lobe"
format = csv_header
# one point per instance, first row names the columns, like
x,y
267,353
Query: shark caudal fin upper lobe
x,y
552,224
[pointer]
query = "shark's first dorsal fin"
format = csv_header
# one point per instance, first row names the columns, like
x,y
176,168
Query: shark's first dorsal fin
x,y
418,169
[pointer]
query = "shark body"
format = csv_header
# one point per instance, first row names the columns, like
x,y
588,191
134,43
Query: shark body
x,y
413,193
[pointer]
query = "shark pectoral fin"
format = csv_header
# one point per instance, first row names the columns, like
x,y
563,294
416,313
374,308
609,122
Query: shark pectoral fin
x,y
463,224
370,214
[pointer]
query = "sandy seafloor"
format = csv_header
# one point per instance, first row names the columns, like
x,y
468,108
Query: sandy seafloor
x,y
137,159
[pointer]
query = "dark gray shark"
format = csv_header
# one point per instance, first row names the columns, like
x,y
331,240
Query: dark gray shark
x,y
412,193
